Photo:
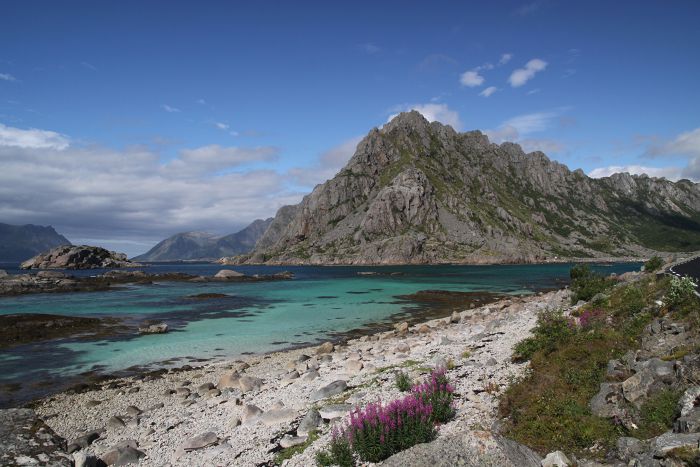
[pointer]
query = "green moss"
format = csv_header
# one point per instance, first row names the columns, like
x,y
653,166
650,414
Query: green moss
x,y
288,453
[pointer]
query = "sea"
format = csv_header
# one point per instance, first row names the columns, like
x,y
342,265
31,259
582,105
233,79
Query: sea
x,y
318,304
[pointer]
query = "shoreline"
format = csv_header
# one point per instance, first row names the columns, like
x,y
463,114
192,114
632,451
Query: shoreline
x,y
418,314
490,332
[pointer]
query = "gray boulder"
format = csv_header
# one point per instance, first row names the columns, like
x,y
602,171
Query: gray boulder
x,y
470,449
249,383
278,416
333,389
227,274
334,411
556,459
309,423
123,453
668,441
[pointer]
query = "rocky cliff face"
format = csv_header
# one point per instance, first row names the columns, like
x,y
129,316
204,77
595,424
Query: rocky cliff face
x,y
78,257
205,246
419,192
20,242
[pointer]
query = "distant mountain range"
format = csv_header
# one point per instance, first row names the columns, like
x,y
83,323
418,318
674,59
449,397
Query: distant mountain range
x,y
205,246
420,192
21,242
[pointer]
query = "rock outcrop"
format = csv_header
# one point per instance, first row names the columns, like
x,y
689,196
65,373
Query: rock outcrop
x,y
419,192
78,257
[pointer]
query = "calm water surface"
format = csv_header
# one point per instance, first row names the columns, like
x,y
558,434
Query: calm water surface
x,y
254,317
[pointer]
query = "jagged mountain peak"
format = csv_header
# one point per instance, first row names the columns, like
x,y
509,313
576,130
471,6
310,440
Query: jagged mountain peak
x,y
417,192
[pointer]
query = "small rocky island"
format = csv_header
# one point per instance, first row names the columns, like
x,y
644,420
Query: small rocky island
x,y
79,257
58,281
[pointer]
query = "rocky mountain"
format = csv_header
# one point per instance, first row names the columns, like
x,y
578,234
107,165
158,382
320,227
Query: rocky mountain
x,y
419,192
20,242
205,246
78,257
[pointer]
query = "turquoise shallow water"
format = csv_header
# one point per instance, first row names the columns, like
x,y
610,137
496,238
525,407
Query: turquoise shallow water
x,y
253,318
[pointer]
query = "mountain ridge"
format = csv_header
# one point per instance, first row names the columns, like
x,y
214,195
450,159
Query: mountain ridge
x,y
419,192
197,245
21,242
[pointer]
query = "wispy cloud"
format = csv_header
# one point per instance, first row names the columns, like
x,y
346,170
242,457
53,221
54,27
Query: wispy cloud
x,y
517,130
505,58
370,48
686,144
433,112
7,77
471,79
435,61
32,138
225,127
522,75
488,91
201,101
170,109
328,164
89,66
529,8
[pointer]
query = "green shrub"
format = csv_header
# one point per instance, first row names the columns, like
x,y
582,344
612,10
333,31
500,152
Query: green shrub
x,y
681,291
339,453
657,413
586,284
403,381
552,328
654,263
632,300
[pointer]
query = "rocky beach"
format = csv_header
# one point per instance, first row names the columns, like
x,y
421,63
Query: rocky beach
x,y
244,412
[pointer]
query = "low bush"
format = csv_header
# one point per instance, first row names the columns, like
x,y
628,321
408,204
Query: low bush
x,y
681,291
379,431
657,413
552,328
586,284
403,381
653,264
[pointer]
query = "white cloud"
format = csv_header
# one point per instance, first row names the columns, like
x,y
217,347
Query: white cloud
x,y
522,75
505,58
7,77
533,91
433,112
120,195
671,173
370,48
685,144
488,91
214,158
471,79
221,126
201,101
515,130
328,165
170,109
32,138
89,66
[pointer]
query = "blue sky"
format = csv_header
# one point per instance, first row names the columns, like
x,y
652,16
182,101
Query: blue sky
x,y
124,122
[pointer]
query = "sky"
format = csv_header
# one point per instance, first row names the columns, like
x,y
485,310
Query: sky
x,y
122,123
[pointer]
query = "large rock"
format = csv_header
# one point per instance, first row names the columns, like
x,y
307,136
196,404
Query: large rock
x,y
251,414
78,257
470,449
124,453
607,403
228,274
278,416
334,411
669,441
326,347
249,383
23,434
556,459
309,423
160,328
333,389
229,380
